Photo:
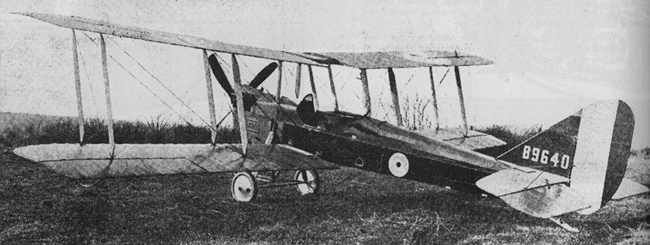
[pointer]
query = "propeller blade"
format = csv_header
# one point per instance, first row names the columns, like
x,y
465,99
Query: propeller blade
x,y
263,75
220,75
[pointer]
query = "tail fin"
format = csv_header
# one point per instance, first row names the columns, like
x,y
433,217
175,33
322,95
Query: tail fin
x,y
590,147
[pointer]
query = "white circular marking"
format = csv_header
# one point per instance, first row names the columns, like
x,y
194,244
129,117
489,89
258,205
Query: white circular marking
x,y
398,165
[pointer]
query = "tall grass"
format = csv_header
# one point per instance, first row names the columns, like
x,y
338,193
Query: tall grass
x,y
414,116
154,131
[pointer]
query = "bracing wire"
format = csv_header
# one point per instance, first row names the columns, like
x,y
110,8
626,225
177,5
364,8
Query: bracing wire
x,y
443,76
166,104
248,68
147,87
87,77
161,84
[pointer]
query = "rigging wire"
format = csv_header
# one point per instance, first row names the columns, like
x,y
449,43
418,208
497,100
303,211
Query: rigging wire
x,y
162,84
83,62
248,68
90,85
139,81
166,104
443,76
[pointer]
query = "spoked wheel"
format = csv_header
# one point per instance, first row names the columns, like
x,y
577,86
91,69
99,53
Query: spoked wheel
x,y
87,183
310,182
244,187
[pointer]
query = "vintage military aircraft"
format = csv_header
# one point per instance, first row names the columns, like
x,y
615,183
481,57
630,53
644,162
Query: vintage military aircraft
x,y
577,165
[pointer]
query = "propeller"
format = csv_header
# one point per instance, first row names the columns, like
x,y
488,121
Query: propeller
x,y
220,75
263,75
218,72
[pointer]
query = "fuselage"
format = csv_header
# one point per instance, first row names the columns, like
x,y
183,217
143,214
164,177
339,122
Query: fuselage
x,y
365,143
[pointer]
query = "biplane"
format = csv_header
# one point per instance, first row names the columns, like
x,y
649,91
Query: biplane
x,y
576,165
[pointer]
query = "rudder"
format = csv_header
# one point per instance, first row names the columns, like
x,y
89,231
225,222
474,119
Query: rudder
x,y
602,151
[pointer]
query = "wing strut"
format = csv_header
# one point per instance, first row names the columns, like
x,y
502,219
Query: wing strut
x,y
107,88
241,115
313,86
77,86
366,92
279,91
336,99
208,84
298,74
393,92
462,101
435,100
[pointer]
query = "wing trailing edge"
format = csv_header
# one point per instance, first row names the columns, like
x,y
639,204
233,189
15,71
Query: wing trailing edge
x,y
131,160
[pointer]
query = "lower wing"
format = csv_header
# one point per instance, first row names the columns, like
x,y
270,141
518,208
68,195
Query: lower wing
x,y
131,160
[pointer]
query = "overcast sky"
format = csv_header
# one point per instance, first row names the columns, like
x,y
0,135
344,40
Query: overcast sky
x,y
551,57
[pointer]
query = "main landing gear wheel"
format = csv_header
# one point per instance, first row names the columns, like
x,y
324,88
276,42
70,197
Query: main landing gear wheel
x,y
87,183
310,182
244,187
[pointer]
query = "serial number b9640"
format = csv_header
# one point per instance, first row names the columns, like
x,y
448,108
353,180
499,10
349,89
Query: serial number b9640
x,y
544,157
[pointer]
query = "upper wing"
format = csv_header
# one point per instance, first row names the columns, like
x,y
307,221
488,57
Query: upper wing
x,y
128,160
363,60
399,59
85,24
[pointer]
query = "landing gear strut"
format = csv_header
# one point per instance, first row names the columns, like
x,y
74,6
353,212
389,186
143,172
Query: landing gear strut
x,y
244,186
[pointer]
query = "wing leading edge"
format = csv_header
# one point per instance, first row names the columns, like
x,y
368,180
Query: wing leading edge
x,y
130,160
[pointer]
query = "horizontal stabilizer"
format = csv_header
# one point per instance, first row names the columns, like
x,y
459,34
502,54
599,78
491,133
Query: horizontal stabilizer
x,y
514,180
546,202
629,188
536,193
130,160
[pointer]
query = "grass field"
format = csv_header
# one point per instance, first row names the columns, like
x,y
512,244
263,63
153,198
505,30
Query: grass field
x,y
354,207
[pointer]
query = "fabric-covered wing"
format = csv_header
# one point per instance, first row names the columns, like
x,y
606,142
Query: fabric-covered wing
x,y
128,160
399,59
364,60
85,24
